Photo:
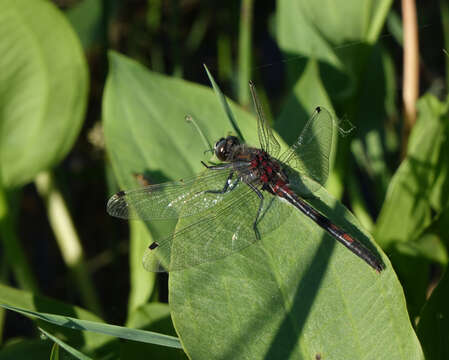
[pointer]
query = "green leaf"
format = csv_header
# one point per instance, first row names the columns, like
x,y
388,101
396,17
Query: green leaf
x,y
433,326
59,343
295,294
101,328
43,88
87,19
375,93
330,21
431,246
320,298
417,188
374,102
321,30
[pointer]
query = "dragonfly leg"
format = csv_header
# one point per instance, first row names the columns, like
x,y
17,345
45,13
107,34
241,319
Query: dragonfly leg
x,y
217,167
259,210
235,164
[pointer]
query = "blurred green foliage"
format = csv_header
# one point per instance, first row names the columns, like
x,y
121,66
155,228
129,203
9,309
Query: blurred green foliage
x,y
295,294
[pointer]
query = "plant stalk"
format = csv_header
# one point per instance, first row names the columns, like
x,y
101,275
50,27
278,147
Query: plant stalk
x,y
411,69
246,23
67,238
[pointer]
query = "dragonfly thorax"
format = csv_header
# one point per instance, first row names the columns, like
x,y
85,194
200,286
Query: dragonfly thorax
x,y
224,148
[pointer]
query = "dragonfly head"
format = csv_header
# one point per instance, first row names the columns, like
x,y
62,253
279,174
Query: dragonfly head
x,y
224,147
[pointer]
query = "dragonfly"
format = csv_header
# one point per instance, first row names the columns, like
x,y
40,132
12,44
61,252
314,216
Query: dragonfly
x,y
240,200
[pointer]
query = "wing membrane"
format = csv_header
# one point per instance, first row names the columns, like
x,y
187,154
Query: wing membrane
x,y
172,200
311,152
226,229
266,138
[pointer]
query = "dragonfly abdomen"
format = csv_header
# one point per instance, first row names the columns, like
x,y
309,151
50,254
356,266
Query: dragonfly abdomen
x,y
343,237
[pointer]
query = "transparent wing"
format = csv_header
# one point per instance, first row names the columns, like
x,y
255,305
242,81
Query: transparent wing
x,y
310,153
266,138
174,199
226,229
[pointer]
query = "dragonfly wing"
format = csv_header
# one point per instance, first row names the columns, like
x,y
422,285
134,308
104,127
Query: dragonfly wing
x,y
226,229
266,138
205,237
311,152
171,200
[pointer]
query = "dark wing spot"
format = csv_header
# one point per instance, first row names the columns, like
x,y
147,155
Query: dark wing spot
x,y
153,245
318,109
117,205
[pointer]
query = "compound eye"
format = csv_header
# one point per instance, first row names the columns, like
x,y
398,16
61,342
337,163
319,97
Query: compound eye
x,y
220,149
219,142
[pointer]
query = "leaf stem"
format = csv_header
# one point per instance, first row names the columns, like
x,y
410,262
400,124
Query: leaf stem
x,y
67,238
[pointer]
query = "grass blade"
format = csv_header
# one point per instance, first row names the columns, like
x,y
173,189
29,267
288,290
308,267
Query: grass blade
x,y
112,330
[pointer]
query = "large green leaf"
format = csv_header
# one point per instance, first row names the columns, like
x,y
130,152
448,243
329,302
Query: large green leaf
x,y
43,88
297,293
322,29
294,295
327,21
